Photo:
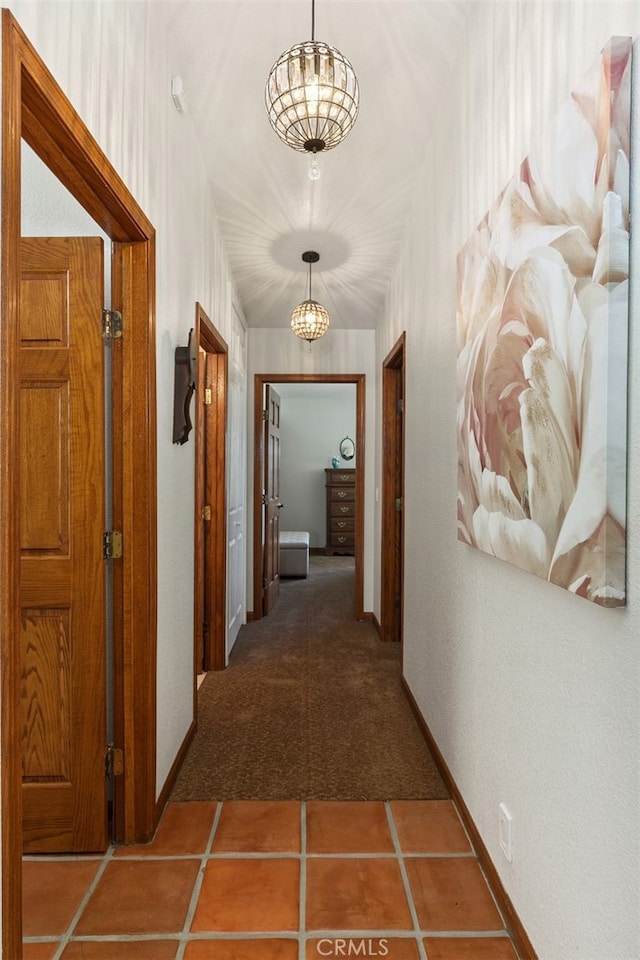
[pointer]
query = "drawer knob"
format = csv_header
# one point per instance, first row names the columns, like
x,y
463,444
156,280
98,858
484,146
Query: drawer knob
x,y
344,509
341,539
342,493
342,523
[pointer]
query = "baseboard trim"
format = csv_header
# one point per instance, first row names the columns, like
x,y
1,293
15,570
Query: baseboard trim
x,y
516,930
169,783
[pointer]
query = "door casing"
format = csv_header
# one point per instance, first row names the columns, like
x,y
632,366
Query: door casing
x,y
392,520
260,379
35,108
210,594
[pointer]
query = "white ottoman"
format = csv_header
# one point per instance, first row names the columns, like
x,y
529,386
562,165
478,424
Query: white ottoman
x,y
294,553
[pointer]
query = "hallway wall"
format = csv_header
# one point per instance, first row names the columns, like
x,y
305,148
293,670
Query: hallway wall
x,y
113,62
531,693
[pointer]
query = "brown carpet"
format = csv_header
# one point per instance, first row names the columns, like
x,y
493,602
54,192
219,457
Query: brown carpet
x,y
311,706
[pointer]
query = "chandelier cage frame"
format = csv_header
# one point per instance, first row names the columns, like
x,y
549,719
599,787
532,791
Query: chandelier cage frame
x,y
310,320
312,95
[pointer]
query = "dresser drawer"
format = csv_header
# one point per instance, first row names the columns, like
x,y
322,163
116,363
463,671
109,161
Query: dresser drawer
x,y
340,494
340,477
345,508
342,541
343,525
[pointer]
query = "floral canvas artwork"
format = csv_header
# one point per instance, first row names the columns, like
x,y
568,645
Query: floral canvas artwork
x,y
542,319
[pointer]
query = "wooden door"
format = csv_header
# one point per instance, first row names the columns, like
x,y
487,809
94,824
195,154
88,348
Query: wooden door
x,y
210,496
392,553
272,503
61,522
202,518
215,518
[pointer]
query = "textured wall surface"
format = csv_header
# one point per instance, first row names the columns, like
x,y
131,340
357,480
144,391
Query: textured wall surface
x,y
531,693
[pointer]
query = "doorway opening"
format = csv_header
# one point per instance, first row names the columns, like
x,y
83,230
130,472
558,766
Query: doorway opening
x,y
34,109
259,467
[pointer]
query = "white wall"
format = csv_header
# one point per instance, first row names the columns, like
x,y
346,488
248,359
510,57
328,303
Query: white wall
x,y
339,351
314,418
531,693
113,62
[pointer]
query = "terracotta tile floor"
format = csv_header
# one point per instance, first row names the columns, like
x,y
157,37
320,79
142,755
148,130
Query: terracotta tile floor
x,y
272,880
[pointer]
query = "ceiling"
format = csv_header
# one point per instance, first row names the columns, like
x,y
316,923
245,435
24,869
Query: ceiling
x,y
270,211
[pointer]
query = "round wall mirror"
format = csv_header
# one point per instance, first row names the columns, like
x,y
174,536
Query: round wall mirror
x,y
347,448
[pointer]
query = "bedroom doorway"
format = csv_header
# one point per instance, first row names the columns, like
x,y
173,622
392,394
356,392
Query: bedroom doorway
x,y
282,382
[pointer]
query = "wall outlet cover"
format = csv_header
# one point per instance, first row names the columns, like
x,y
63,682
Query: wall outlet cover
x,y
505,832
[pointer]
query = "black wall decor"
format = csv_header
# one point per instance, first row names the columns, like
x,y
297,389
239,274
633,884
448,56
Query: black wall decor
x,y
184,385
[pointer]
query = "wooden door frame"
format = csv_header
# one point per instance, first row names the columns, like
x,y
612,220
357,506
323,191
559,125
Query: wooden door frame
x,y
391,439
211,488
35,108
259,381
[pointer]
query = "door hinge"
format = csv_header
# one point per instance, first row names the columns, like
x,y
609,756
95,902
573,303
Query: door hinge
x,y
113,762
207,396
111,324
206,512
111,545
398,504
265,500
265,414
399,405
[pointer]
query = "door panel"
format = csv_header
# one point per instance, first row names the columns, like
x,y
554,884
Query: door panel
x,y
62,510
271,499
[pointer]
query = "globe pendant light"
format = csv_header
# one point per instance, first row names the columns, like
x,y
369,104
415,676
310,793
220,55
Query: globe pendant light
x,y
312,95
310,320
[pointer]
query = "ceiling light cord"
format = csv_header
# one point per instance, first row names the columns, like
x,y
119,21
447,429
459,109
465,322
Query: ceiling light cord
x,y
313,20
310,320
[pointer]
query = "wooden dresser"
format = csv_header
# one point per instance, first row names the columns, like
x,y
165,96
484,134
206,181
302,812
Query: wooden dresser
x,y
340,488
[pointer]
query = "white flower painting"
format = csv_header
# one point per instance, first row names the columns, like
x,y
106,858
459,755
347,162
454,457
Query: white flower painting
x,y
542,320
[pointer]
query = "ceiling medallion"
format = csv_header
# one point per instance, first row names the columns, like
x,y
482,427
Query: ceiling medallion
x,y
312,95
310,320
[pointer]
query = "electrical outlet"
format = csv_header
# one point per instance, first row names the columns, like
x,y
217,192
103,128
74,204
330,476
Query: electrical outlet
x,y
505,832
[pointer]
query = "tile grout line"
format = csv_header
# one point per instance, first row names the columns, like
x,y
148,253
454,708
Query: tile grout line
x,y
286,855
66,937
302,909
405,881
197,886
